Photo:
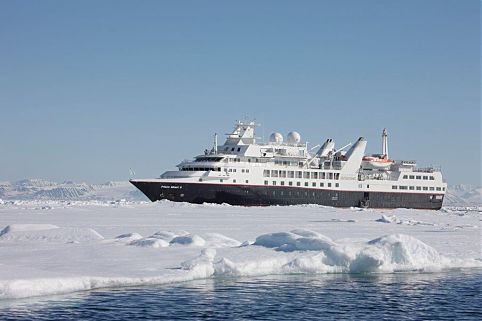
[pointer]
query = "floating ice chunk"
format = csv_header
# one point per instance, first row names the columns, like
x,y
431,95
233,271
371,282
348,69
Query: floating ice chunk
x,y
149,242
190,239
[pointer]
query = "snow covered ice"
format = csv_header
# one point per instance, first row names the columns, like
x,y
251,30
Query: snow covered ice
x,y
53,247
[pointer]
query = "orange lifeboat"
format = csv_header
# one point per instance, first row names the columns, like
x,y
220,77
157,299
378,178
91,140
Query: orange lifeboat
x,y
377,162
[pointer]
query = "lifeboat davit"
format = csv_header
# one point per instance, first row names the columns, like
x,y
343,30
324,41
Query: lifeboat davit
x,y
376,162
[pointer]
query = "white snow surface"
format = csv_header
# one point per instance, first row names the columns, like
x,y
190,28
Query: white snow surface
x,y
55,247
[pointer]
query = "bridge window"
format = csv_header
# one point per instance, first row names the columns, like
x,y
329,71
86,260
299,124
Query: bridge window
x,y
306,175
274,173
323,175
282,173
266,173
337,176
405,176
314,175
291,174
299,174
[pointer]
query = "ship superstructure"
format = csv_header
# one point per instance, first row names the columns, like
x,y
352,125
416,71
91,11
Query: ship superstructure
x,y
244,172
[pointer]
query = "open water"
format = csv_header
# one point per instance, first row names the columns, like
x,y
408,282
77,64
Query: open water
x,y
452,295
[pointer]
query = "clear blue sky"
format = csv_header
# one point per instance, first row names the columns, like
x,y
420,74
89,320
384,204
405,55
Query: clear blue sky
x,y
91,88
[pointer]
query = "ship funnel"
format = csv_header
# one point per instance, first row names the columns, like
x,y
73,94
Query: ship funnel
x,y
326,148
385,143
354,156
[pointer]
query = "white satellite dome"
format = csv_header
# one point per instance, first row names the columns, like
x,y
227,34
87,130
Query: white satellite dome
x,y
294,137
276,138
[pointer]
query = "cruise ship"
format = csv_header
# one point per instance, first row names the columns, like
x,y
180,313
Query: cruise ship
x,y
286,172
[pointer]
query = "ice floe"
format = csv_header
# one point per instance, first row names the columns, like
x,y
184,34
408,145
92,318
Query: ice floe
x,y
164,242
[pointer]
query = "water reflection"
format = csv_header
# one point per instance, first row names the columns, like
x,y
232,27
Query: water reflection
x,y
450,295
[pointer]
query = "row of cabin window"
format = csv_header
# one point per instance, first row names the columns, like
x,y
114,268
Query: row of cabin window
x,y
233,170
419,177
419,188
300,174
238,160
289,193
200,169
313,184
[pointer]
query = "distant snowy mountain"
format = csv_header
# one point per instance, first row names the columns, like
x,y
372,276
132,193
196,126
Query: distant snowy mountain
x,y
463,195
39,189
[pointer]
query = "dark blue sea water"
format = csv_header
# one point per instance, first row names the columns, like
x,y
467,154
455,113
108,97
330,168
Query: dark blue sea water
x,y
409,296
